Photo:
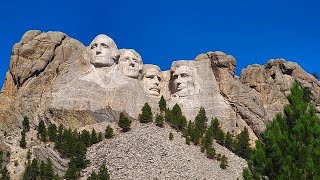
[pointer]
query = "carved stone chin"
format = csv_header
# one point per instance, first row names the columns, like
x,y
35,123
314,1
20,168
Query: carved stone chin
x,y
151,79
130,63
184,81
103,51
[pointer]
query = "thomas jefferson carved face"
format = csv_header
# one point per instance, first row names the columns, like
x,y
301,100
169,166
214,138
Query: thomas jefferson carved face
x,y
130,63
184,81
151,80
103,51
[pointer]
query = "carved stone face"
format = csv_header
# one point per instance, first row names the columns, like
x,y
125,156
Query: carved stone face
x,y
184,82
151,80
103,51
130,63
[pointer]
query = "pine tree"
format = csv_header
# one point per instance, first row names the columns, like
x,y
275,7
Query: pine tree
x,y
94,138
146,114
242,146
103,173
67,143
100,136
42,131
246,174
93,176
78,160
85,138
307,94
26,124
109,132
52,132
48,171
189,128
176,118
59,137
220,137
75,135
26,173
162,104
34,169
29,155
211,152
290,147
228,143
42,170
224,162
215,126
5,175
124,122
195,135
23,142
159,120
207,140
56,177
201,121
188,140
71,173
168,116
1,157
170,136
198,128
315,75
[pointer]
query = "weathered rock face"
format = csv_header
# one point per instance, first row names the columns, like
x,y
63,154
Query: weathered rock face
x,y
43,153
192,85
56,78
272,82
33,66
246,110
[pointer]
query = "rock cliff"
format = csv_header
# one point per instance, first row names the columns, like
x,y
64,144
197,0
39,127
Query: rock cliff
x,y
56,78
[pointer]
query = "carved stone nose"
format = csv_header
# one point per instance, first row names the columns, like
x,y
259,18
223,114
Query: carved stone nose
x,y
131,64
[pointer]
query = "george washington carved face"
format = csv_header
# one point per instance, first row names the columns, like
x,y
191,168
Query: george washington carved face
x,y
103,51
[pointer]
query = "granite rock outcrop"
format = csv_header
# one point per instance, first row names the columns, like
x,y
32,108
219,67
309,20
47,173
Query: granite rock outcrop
x,y
56,78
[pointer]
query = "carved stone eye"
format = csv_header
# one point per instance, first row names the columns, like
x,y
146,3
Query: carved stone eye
x,y
150,76
175,76
104,46
94,46
184,75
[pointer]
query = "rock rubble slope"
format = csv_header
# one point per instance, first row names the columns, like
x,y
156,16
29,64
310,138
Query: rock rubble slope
x,y
146,152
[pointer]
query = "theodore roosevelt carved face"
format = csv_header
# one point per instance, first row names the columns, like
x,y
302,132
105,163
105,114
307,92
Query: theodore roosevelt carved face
x,y
151,79
184,81
103,51
130,63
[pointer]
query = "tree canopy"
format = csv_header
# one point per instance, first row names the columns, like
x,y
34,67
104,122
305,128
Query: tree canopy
x,y
290,146
146,114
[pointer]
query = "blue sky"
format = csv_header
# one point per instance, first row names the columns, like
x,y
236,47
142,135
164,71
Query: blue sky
x,y
162,31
